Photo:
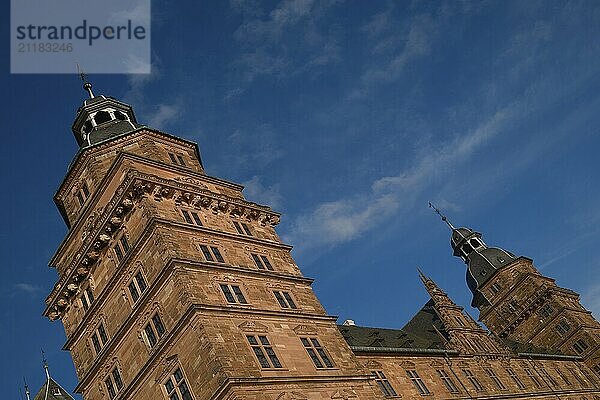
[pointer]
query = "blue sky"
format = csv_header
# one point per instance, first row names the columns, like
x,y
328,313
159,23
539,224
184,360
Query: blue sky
x,y
348,117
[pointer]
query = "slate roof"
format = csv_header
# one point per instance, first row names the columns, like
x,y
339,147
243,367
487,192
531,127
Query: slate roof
x,y
424,331
418,333
55,392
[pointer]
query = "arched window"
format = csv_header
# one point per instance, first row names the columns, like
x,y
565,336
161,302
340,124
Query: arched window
x,y
87,127
120,116
102,117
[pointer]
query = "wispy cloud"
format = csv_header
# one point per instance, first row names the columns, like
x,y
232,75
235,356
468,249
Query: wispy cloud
x,y
591,299
265,39
256,191
164,115
339,221
253,147
27,288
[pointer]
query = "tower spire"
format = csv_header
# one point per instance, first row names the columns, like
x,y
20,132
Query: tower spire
x,y
87,86
442,216
45,362
27,392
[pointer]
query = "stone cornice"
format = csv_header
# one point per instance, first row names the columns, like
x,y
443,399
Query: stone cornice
x,y
278,380
101,229
403,350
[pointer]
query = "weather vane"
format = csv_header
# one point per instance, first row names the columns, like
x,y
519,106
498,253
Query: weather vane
x,y
87,86
442,216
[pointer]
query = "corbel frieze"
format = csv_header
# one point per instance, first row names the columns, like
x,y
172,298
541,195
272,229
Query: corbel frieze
x,y
189,193
100,231
102,227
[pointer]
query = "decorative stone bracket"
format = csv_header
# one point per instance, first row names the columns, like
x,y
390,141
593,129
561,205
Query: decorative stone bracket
x,y
103,225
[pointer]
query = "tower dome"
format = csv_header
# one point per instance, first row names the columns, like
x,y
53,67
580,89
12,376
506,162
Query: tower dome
x,y
101,117
482,261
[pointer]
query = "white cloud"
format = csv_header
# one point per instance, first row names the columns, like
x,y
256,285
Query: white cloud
x,y
256,191
139,13
417,43
233,94
591,299
292,39
28,288
343,220
286,14
163,115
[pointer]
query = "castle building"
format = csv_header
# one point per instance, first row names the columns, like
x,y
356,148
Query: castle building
x,y
173,286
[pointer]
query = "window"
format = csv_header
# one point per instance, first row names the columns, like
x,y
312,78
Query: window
x,y
512,306
562,327
596,369
120,116
467,248
191,217
83,194
242,228
176,386
154,330
515,378
478,386
211,254
284,299
80,198
492,374
99,338
384,384
102,117
448,382
459,321
549,378
233,294
316,352
87,298
533,377
114,383
177,159
546,310
121,247
495,288
417,381
262,262
137,286
580,346
563,377
263,351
